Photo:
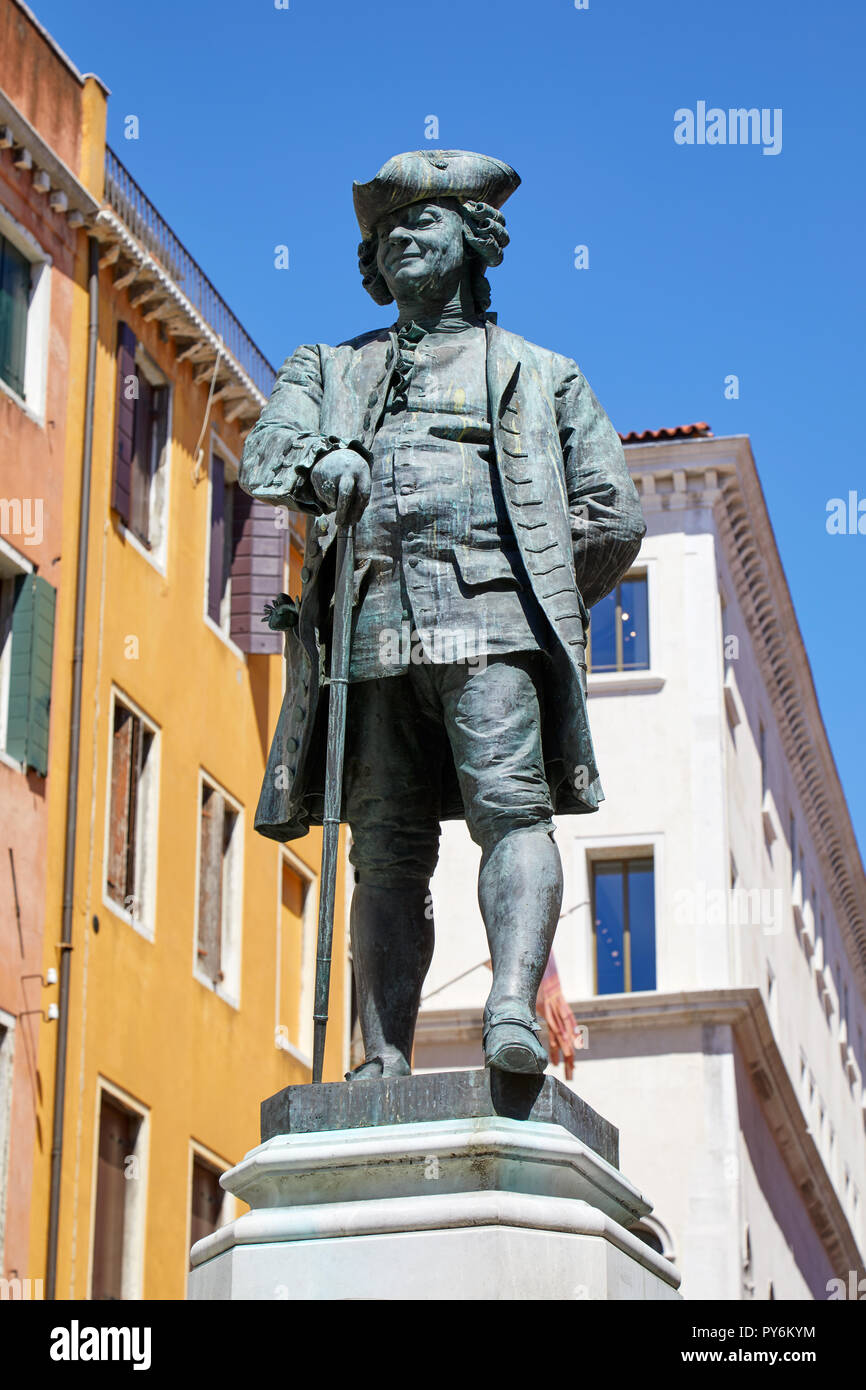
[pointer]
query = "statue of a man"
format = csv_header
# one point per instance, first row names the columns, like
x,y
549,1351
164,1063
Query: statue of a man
x,y
492,507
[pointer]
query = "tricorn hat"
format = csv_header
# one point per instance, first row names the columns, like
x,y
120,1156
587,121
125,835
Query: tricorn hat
x,y
423,174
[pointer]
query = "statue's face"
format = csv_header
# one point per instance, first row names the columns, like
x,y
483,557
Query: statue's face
x,y
421,249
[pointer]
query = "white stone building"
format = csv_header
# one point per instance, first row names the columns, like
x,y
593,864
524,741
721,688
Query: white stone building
x,y
713,936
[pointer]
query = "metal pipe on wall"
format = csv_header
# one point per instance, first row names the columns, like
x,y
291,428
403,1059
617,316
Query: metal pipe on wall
x,y
72,773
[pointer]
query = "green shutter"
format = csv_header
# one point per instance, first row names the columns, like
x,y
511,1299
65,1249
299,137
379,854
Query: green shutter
x,y
14,301
30,672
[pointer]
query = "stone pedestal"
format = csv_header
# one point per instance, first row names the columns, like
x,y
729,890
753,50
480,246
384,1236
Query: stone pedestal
x,y
453,1185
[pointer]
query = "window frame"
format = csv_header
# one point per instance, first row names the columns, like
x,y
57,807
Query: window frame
x,y
300,1047
641,679
199,1153
155,552
147,823
38,330
232,903
7,1072
231,466
622,859
136,1191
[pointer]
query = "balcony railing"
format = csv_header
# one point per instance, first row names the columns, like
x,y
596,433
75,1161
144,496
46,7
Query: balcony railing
x,y
123,194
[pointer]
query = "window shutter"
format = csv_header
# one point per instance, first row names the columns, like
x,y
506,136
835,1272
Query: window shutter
x,y
30,672
124,429
121,779
210,891
217,537
257,573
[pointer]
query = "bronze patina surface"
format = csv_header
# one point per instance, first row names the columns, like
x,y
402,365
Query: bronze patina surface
x,y
492,507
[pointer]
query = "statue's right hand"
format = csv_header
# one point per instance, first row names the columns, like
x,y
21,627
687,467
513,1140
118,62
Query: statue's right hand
x,y
341,481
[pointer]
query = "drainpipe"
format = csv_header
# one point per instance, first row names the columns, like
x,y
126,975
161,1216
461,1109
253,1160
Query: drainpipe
x,y
72,774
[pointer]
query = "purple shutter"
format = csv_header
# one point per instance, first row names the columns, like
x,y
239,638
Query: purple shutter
x,y
258,560
124,429
215,584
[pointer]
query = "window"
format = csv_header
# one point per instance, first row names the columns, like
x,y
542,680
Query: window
x,y
120,1201
141,443
246,561
27,606
619,631
623,894
224,489
8,588
208,1200
219,893
7,1038
24,315
295,957
130,861
14,302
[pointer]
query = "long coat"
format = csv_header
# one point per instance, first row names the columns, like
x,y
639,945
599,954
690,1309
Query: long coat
x,y
573,508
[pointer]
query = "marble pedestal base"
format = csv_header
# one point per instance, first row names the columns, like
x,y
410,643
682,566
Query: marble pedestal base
x,y
485,1207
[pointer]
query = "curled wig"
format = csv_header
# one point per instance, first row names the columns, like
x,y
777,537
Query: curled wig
x,y
486,239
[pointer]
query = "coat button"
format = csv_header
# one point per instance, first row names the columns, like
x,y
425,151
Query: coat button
x,y
367,419
299,713
293,745
372,399
305,574
321,525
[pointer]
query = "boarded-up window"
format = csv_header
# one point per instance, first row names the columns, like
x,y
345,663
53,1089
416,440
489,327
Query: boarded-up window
x,y
118,1131
257,572
207,1201
129,811
247,562
140,436
215,898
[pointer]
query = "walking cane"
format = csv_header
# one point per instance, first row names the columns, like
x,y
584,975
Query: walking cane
x,y
338,683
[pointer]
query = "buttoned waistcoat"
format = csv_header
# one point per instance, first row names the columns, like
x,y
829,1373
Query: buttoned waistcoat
x,y
435,533
572,507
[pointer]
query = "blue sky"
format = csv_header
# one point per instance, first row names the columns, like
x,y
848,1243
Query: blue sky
x,y
704,260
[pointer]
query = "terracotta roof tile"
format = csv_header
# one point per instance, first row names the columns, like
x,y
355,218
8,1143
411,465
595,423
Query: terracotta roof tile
x,y
701,430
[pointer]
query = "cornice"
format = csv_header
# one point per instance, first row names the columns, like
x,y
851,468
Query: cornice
x,y
51,178
197,341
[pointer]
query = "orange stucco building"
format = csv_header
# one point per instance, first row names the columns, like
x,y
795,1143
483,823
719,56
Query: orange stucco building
x,y
184,942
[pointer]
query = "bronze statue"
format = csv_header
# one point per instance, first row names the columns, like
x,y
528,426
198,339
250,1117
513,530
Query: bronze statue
x,y
492,507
